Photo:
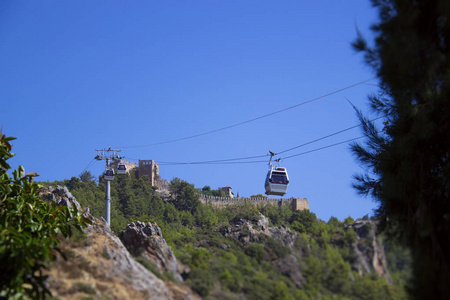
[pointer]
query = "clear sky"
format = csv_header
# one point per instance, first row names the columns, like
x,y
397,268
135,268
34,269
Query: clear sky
x,y
81,75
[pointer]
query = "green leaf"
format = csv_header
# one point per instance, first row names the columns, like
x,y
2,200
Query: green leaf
x,y
21,171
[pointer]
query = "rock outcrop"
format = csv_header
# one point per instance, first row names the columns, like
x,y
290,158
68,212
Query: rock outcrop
x,y
368,247
146,240
98,264
250,231
369,250
60,195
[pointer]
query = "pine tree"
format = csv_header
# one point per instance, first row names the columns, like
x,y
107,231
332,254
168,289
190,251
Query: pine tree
x,y
408,160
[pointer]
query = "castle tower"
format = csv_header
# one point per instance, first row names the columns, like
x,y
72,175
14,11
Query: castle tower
x,y
149,168
299,204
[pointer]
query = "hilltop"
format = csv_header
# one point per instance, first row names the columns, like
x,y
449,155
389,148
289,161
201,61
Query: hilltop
x,y
186,249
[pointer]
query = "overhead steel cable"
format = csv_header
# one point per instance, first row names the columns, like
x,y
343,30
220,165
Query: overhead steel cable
x,y
250,120
324,147
200,162
225,162
230,160
213,161
89,165
324,137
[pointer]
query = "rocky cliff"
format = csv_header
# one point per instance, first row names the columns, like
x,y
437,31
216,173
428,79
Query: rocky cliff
x,y
250,231
146,241
367,248
98,264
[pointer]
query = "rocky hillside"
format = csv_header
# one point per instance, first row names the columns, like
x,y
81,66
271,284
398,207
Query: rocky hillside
x,y
237,252
367,248
98,265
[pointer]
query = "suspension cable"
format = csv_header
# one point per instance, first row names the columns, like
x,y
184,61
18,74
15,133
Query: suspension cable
x,y
250,120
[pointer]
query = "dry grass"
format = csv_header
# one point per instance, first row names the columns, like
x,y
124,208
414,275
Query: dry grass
x,y
82,274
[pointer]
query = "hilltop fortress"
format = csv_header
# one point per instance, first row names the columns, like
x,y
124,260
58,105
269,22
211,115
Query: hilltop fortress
x,y
144,167
151,169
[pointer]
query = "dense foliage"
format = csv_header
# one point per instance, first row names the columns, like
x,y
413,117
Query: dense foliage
x,y
29,229
206,190
408,161
226,267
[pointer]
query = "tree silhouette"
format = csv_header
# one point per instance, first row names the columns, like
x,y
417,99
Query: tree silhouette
x,y
408,160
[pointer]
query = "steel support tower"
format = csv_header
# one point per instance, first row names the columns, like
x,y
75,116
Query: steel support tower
x,y
108,155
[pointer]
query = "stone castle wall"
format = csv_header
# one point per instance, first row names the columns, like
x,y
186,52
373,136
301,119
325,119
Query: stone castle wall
x,y
294,203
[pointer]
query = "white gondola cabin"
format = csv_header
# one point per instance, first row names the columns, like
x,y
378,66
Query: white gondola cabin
x,y
121,169
277,181
108,175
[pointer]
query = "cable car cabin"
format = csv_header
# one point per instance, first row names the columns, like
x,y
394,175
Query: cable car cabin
x,y
108,175
121,169
277,181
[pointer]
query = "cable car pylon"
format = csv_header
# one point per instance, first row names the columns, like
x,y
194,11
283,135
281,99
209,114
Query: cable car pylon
x,y
108,175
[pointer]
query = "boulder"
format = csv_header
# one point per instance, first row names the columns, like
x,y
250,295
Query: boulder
x,y
61,196
146,240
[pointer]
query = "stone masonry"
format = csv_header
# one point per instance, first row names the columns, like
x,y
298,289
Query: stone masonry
x,y
149,168
295,203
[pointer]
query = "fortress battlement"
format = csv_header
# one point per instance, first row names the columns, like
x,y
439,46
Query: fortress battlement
x,y
294,203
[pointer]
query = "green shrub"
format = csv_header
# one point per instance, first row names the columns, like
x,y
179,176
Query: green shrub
x,y
84,288
256,251
229,281
105,253
151,267
307,219
275,249
205,217
230,258
29,229
281,292
349,237
201,281
199,258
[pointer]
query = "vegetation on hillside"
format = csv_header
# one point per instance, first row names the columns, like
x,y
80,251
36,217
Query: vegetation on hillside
x,y
318,264
207,191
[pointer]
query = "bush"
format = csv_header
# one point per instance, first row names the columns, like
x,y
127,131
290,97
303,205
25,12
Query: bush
x,y
199,258
84,288
229,281
151,267
275,249
205,217
245,211
201,281
29,230
306,219
256,251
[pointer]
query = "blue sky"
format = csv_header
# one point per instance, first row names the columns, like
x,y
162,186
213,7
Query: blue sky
x,y
81,75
